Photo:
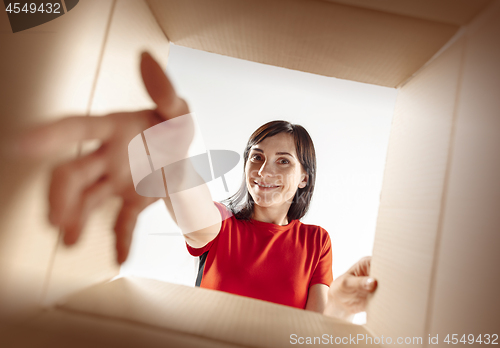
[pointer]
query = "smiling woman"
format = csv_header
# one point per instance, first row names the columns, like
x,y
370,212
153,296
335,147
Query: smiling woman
x,y
280,155
262,250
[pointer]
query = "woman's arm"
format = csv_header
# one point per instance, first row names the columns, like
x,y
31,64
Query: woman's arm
x,y
317,298
191,208
194,212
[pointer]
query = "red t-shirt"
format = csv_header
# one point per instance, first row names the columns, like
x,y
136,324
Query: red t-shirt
x,y
266,261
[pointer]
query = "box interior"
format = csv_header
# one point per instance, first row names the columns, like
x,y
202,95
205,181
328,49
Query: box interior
x,y
438,216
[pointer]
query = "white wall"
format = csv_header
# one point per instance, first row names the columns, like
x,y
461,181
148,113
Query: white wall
x,y
349,123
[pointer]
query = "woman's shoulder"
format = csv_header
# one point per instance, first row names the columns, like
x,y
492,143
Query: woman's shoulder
x,y
228,217
311,227
315,231
224,211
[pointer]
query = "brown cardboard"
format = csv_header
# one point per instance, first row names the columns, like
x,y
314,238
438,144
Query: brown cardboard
x,y
437,232
313,36
467,267
62,328
118,87
411,199
435,252
458,12
31,62
84,78
213,315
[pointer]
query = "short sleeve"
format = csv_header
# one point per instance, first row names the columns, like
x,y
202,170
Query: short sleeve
x,y
225,214
323,273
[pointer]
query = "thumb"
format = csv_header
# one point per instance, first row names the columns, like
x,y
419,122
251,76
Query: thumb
x,y
361,284
160,89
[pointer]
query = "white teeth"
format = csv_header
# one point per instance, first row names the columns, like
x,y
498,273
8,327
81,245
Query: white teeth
x,y
266,186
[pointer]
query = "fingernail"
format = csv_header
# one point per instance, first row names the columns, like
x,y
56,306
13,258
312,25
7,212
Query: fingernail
x,y
66,239
120,258
369,283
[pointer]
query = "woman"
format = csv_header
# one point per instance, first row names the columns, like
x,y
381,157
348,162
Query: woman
x,y
79,186
262,249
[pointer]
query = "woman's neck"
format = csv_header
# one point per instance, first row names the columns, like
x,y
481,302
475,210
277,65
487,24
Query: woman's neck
x,y
273,215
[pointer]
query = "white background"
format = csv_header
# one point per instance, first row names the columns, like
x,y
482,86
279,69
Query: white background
x,y
349,123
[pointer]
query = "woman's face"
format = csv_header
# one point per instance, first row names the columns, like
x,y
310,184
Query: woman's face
x,y
273,172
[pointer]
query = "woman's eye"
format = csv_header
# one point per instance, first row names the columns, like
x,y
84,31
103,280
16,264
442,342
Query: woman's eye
x,y
256,158
284,161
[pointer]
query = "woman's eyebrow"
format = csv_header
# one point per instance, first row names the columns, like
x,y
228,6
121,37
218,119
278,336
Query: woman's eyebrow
x,y
277,153
284,153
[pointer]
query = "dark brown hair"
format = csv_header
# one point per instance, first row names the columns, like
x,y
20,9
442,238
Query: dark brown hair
x,y
241,203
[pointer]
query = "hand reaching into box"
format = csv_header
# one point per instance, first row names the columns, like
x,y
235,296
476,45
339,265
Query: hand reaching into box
x,y
78,187
348,293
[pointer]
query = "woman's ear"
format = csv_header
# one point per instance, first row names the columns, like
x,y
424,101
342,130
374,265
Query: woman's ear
x,y
303,182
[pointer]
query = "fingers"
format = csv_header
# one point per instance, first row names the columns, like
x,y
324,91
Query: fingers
x,y
160,89
348,293
68,183
125,224
360,285
50,138
361,268
91,199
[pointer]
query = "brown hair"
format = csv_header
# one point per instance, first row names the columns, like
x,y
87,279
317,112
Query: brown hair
x,y
242,203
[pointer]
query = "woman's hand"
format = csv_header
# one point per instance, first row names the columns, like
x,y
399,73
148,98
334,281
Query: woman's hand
x,y
348,293
80,185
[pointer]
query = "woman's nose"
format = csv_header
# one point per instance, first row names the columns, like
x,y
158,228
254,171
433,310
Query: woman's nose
x,y
264,170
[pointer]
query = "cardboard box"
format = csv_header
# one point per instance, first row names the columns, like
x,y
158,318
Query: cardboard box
x,y
436,246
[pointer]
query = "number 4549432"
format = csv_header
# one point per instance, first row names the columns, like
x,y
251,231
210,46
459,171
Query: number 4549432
x,y
32,8
471,339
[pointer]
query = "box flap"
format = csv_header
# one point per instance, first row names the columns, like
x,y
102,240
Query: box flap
x,y
118,86
44,76
411,199
207,313
62,328
465,293
457,12
313,36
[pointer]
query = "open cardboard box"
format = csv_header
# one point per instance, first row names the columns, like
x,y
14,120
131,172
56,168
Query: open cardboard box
x,y
436,246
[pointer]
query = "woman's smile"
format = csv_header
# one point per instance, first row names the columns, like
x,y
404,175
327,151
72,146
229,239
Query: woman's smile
x,y
265,186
